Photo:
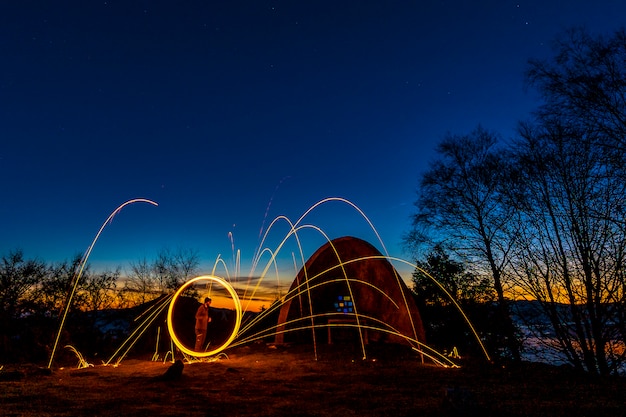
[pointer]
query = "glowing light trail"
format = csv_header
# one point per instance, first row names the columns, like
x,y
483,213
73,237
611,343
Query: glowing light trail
x,y
150,316
309,320
238,316
82,267
295,228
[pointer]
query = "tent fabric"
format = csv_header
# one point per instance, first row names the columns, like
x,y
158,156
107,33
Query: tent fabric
x,y
347,282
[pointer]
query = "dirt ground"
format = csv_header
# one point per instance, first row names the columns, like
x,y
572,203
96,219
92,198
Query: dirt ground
x,y
290,381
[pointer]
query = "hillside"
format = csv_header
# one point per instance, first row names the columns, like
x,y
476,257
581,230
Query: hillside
x,y
263,381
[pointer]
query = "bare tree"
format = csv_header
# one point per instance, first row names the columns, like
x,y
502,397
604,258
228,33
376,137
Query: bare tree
x,y
571,159
54,288
99,290
445,327
455,276
148,280
142,285
585,85
173,268
570,251
19,278
571,241
459,206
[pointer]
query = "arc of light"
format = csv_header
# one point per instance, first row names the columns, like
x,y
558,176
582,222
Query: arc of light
x,y
238,263
434,355
313,207
273,262
276,251
295,227
390,330
294,231
345,275
277,274
442,288
220,261
354,206
257,257
233,294
245,290
354,302
297,291
82,267
389,258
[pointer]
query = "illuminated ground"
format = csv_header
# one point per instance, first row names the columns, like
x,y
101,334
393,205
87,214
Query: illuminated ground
x,y
260,381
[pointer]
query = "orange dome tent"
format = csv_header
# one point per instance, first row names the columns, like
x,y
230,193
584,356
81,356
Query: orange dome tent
x,y
349,284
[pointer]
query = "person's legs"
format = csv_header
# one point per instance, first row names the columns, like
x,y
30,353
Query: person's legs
x,y
200,335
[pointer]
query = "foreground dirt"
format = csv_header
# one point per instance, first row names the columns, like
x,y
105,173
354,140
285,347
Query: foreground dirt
x,y
261,381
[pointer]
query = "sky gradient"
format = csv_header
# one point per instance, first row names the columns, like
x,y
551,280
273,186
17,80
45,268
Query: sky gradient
x,y
231,113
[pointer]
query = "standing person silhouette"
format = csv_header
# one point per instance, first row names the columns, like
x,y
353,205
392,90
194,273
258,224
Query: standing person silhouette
x,y
203,317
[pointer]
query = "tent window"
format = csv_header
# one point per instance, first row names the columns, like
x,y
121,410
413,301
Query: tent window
x,y
344,304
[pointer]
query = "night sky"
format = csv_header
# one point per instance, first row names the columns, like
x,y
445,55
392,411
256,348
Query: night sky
x,y
231,113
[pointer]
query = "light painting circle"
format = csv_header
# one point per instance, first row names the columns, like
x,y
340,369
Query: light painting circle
x,y
236,301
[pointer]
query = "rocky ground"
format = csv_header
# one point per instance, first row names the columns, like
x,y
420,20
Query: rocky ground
x,y
264,381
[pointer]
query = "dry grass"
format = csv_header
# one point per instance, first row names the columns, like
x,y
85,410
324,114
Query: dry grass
x,y
260,381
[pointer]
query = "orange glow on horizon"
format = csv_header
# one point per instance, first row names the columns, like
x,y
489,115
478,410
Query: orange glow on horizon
x,y
225,302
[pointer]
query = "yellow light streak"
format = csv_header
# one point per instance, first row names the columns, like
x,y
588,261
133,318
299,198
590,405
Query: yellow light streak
x,y
150,315
304,288
82,267
82,363
296,227
238,310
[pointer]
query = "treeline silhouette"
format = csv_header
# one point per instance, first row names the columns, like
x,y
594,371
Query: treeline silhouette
x,y
34,293
541,215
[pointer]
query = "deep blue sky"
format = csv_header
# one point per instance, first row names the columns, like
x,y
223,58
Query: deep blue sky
x,y
215,109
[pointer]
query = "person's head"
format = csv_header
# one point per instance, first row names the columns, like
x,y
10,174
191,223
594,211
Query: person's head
x,y
207,300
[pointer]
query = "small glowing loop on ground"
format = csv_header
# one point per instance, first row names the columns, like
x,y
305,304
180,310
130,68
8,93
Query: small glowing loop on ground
x,y
235,331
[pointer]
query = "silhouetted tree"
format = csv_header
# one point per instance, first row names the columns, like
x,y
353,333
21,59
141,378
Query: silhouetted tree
x,y
142,284
459,206
445,326
464,286
570,245
54,288
150,279
173,268
584,86
99,290
18,280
